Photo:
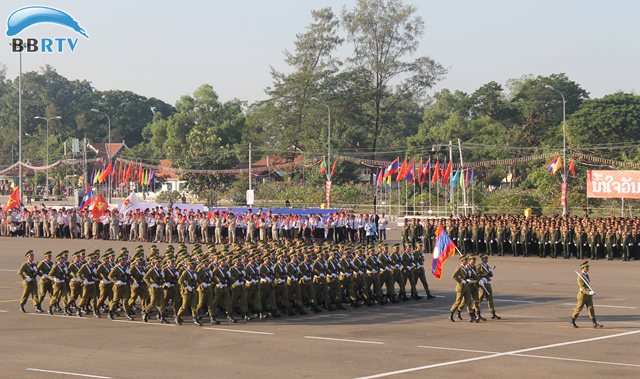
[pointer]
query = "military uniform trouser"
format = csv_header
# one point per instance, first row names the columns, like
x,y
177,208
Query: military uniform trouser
x,y
143,292
360,284
306,290
106,291
60,291
463,297
205,299
46,286
419,275
75,290
397,277
89,294
584,299
221,298
172,294
268,296
335,290
189,300
239,294
375,280
482,293
30,288
253,296
409,274
386,279
321,289
156,297
474,298
294,292
120,293
218,235
281,293
346,284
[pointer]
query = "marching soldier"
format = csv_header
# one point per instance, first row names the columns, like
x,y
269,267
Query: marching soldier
x,y
205,288
408,271
138,287
154,279
170,285
29,273
396,271
46,284
75,284
306,282
88,276
463,294
188,282
59,275
473,285
120,276
105,286
419,256
486,273
221,277
585,296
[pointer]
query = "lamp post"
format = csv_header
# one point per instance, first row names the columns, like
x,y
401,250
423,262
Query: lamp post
x,y
328,145
109,146
565,207
47,163
450,146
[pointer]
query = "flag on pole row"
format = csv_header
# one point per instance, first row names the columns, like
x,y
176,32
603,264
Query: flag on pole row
x,y
554,166
443,248
87,199
14,200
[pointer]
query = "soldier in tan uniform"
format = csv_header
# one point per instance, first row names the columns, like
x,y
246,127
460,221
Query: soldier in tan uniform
x,y
29,273
486,273
461,275
585,296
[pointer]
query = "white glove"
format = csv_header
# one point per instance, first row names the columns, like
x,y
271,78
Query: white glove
x,y
127,272
27,279
57,280
189,288
167,284
322,276
463,282
135,284
592,293
105,281
85,282
334,275
219,285
491,271
237,283
45,276
205,285
155,285
120,283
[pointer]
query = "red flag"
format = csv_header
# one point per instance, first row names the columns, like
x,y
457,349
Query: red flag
x,y
572,168
402,173
333,169
14,200
128,175
445,174
100,207
141,175
105,173
436,172
419,180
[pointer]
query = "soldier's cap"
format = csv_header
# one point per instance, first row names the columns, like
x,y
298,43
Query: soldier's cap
x,y
463,257
82,251
60,255
395,245
121,257
77,254
138,256
584,264
96,251
30,252
483,256
48,253
123,250
190,262
108,254
418,243
109,250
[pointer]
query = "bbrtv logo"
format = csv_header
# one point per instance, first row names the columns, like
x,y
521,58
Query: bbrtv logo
x,y
24,18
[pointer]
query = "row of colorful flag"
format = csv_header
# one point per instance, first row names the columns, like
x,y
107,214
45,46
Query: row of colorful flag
x,y
120,173
556,165
409,172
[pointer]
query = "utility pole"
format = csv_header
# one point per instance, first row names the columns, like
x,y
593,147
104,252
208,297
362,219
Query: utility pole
x,y
249,166
464,189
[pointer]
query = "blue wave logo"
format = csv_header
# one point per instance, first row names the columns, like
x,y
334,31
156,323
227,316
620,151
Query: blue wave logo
x,y
29,16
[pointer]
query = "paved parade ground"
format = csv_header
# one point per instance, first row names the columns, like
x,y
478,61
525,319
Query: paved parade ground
x,y
413,339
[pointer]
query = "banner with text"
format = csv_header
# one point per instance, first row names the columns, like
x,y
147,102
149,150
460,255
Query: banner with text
x,y
613,184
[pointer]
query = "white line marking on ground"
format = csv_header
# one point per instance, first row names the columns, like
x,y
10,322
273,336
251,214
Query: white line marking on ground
x,y
69,373
3,311
515,301
48,315
240,331
343,340
4,269
604,306
577,360
463,350
515,352
142,323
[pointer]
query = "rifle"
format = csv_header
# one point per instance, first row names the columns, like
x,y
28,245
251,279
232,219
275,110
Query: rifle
x,y
585,281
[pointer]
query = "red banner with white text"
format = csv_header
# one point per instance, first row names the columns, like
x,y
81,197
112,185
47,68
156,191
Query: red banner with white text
x,y
616,184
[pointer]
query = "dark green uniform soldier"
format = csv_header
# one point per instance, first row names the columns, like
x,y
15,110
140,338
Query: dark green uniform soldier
x,y
320,285
360,276
473,284
188,282
253,277
585,296
105,286
346,279
75,284
396,271
333,280
373,277
460,275
420,275
170,287
408,271
386,277
485,273
281,292
267,276
59,275
88,275
120,276
221,298
294,293
306,282
138,287
28,272
46,284
154,279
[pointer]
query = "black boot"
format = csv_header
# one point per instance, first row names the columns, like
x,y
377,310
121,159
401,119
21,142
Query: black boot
x,y
480,318
67,311
128,316
22,309
160,316
96,313
79,312
430,296
145,317
276,314
356,304
196,322
315,308
394,299
56,307
341,307
51,310
214,321
111,315
177,320
573,322
595,324
369,302
163,320
382,301
230,318
472,317
458,315
301,311
290,311
247,317
39,309
416,296
404,297
263,315
451,317
495,316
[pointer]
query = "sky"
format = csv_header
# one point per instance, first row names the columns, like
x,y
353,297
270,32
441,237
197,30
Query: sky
x,y
167,49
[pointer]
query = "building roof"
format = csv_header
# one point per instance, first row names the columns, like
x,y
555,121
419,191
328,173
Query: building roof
x,y
165,173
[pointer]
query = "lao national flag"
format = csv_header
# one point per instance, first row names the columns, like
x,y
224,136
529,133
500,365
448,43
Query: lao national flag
x,y
553,166
87,199
392,169
411,172
445,174
444,247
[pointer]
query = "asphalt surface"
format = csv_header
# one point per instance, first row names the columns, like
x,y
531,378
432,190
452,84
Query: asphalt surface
x,y
534,297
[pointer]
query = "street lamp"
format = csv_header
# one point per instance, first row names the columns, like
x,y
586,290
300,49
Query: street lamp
x,y
565,207
108,146
328,144
47,163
